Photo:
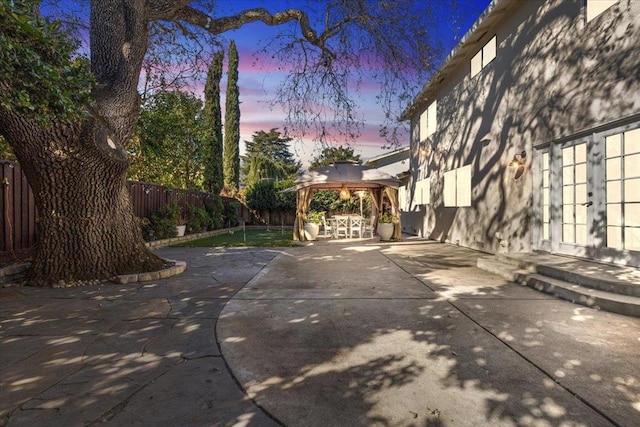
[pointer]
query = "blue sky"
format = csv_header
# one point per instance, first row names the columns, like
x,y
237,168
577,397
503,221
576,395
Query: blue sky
x,y
258,80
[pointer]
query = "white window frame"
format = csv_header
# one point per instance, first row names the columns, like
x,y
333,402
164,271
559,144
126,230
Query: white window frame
x,y
621,168
422,195
429,120
457,187
402,198
484,56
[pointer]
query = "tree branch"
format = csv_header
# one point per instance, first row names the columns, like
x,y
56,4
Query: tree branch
x,y
220,25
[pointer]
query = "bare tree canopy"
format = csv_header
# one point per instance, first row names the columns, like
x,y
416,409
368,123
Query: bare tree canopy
x,y
329,50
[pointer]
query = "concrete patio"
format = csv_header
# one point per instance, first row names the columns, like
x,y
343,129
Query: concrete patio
x,y
336,333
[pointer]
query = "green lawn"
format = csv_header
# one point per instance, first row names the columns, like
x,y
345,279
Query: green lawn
x,y
252,237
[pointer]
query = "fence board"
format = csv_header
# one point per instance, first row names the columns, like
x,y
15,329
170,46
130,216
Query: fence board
x,y
18,228
18,209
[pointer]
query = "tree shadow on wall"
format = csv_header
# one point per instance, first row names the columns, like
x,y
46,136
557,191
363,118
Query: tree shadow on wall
x,y
551,78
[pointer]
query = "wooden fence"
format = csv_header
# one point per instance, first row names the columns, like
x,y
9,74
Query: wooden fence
x,y
18,228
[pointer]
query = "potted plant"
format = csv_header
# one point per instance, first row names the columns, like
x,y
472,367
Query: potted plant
x,y
385,226
312,222
181,225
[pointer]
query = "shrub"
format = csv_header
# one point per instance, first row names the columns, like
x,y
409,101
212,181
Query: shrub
x,y
215,209
329,201
266,196
145,227
230,214
163,228
197,219
164,221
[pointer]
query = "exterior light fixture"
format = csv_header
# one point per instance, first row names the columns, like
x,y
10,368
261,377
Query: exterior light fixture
x,y
518,160
345,194
485,140
517,164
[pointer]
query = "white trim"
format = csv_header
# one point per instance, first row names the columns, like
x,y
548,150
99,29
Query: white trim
x,y
595,7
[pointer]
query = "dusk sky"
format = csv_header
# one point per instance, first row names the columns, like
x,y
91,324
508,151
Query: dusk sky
x,y
258,79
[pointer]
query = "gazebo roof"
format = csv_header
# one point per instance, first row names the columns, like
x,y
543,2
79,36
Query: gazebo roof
x,y
345,172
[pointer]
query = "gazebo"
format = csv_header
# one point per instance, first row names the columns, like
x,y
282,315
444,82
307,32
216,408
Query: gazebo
x,y
346,175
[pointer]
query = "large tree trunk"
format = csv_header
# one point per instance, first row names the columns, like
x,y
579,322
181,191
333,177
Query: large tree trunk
x,y
87,224
87,230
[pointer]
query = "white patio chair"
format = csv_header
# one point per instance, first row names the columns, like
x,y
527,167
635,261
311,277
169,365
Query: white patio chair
x,y
367,227
342,226
355,226
326,225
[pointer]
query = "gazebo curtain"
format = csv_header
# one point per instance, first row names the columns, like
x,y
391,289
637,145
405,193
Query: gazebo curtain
x,y
376,197
392,194
302,205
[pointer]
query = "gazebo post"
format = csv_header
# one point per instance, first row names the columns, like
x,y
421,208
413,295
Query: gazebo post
x,y
392,194
297,235
303,200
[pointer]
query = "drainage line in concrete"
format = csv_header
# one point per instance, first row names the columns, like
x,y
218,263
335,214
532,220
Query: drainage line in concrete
x,y
539,368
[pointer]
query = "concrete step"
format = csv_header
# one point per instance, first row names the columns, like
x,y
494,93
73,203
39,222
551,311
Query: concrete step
x,y
520,261
600,283
509,271
598,299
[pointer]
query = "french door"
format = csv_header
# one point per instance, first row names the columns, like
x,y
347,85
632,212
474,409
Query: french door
x,y
588,198
577,195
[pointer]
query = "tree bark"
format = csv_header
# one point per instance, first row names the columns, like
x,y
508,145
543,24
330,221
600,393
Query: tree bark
x,y
86,227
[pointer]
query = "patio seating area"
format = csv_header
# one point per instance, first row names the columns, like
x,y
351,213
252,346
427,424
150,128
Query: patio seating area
x,y
347,226
346,176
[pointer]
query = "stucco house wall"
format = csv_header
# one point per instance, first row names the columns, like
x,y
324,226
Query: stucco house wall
x,y
554,75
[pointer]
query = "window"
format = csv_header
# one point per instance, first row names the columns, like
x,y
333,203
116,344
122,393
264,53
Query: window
x,y
622,175
484,56
450,188
574,194
402,198
429,121
422,194
457,187
596,7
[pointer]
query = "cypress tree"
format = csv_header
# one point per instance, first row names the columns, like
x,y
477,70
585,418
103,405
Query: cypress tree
x,y
232,122
214,177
